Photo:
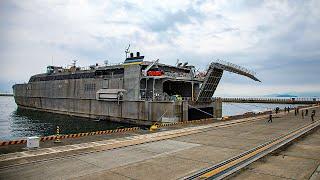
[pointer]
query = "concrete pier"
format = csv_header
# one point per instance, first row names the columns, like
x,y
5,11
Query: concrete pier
x,y
296,100
172,154
6,94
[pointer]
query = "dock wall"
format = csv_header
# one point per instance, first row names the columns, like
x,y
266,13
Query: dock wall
x,y
136,112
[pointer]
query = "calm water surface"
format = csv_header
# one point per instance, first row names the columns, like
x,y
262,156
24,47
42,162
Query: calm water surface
x,y
240,108
17,123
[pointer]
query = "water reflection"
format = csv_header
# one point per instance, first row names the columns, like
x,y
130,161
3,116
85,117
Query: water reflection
x,y
16,123
29,122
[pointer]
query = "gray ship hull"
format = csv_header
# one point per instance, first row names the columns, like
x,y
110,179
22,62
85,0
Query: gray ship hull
x,y
134,112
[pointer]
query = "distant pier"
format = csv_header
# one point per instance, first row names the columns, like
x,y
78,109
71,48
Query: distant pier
x,y
6,94
272,100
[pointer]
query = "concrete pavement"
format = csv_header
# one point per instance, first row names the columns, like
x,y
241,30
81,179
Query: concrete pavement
x,y
180,156
301,160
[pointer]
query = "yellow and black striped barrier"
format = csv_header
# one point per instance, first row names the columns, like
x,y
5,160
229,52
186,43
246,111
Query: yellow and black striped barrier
x,y
48,138
5,143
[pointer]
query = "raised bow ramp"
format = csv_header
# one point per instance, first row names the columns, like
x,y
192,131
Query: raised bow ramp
x,y
214,75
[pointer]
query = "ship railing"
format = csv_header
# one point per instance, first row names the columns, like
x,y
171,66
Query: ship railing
x,y
92,67
87,68
235,66
148,96
113,64
165,99
175,75
111,76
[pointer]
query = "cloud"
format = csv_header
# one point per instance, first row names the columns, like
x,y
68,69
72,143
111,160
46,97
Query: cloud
x,y
278,39
170,20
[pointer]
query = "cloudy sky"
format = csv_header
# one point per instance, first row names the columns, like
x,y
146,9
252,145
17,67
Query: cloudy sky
x,y
280,40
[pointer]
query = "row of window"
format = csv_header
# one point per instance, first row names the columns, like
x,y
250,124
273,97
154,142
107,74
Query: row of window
x,y
89,87
109,72
62,77
77,75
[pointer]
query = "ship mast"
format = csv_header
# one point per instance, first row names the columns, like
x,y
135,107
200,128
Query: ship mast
x,y
74,63
127,51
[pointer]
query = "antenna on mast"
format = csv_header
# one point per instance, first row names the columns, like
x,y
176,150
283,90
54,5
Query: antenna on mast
x,y
74,63
177,62
127,51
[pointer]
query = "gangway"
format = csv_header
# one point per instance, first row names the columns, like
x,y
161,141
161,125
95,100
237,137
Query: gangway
x,y
214,75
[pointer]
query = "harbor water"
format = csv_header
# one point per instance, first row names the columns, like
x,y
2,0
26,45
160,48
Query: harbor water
x,y
18,123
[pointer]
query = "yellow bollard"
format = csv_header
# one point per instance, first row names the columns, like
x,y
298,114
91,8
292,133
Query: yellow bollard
x,y
154,127
58,136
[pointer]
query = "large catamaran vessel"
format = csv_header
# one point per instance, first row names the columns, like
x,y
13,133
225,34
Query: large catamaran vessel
x,y
135,91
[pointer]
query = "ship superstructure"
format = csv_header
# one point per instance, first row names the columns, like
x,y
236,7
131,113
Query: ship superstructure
x,y
136,91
